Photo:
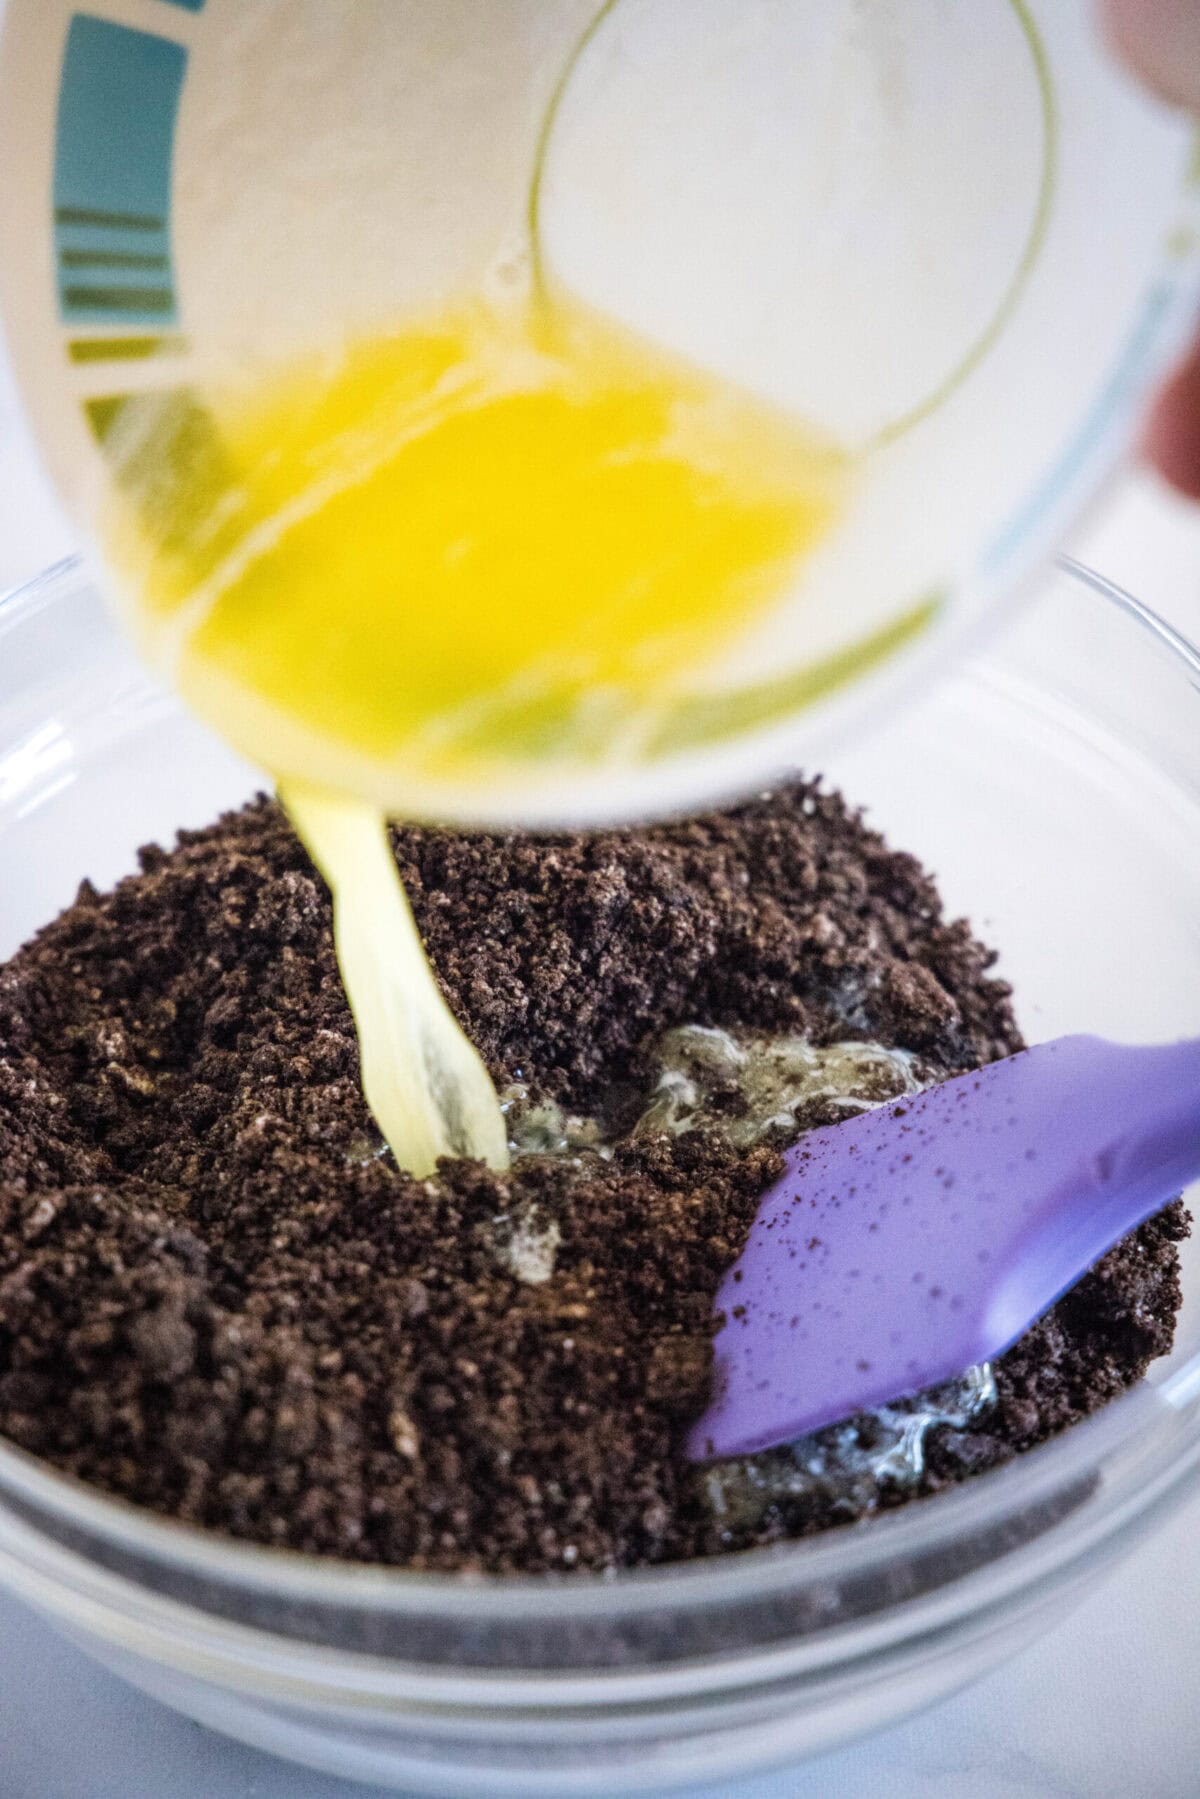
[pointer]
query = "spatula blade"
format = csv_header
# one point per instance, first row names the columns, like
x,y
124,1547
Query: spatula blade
x,y
903,1245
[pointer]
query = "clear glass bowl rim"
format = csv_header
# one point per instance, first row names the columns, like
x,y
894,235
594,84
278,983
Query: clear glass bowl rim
x,y
912,1531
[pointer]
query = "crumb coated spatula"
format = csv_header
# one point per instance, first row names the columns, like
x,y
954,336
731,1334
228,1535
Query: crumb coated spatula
x,y
904,1244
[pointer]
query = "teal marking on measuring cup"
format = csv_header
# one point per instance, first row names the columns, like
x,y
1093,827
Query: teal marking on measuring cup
x,y
117,106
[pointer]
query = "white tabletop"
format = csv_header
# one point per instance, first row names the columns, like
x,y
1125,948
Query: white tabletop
x,y
1105,1707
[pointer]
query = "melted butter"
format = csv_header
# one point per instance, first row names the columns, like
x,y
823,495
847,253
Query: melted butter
x,y
749,1087
494,534
425,1083
526,1243
743,1086
542,1127
846,1466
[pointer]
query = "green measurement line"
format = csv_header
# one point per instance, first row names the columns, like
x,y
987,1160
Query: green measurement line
x,y
123,349
120,299
112,259
115,221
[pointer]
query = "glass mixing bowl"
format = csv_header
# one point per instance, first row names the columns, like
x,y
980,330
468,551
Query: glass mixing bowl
x,y
1053,784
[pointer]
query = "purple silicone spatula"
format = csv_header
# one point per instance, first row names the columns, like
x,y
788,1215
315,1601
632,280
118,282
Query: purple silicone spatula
x,y
909,1242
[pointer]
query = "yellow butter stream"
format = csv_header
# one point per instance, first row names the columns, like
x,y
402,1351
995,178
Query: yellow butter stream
x,y
496,535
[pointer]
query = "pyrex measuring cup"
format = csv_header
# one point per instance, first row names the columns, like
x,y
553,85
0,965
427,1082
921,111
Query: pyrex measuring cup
x,y
950,240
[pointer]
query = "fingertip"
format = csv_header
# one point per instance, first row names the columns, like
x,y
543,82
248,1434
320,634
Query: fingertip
x,y
1160,41
1171,440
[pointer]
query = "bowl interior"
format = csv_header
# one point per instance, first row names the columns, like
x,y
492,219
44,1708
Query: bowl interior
x,y
1052,785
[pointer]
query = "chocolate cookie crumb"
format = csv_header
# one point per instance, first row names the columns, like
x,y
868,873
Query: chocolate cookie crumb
x,y
220,1299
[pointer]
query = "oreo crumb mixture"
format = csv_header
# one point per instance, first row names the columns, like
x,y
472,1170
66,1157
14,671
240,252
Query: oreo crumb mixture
x,y
221,1300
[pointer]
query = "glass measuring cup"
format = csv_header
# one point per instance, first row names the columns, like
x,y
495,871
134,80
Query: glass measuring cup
x,y
953,247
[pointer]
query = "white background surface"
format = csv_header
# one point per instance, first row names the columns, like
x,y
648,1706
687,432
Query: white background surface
x,y
1106,1707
